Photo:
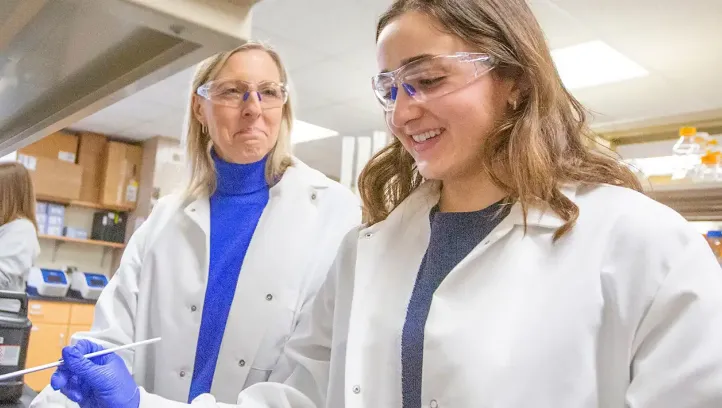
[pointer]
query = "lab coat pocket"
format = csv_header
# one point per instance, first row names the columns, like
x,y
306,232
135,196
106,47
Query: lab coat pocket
x,y
278,325
256,376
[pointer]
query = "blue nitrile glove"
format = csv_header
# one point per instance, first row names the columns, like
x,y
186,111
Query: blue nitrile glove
x,y
102,382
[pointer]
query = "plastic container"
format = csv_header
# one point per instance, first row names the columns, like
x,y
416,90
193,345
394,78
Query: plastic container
x,y
688,141
710,161
686,151
714,238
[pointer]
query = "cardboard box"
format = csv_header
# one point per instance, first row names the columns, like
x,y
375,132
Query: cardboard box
x,y
91,156
59,146
54,178
121,175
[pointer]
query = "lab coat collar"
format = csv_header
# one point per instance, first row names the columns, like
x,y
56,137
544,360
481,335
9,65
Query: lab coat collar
x,y
427,195
299,179
542,216
199,211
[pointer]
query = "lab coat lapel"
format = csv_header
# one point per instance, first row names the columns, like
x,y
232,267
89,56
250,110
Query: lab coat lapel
x,y
541,216
387,262
199,212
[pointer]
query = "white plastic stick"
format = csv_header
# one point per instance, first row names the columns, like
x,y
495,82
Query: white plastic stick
x,y
89,355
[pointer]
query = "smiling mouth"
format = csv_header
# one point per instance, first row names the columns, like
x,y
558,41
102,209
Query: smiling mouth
x,y
429,134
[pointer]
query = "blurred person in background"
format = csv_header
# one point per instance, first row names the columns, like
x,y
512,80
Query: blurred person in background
x,y
223,272
19,247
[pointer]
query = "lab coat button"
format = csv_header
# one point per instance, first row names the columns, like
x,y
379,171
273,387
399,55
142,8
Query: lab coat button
x,y
368,235
356,389
313,196
269,297
242,363
182,374
193,308
433,404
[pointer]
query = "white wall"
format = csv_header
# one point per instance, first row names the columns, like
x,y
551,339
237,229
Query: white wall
x,y
171,171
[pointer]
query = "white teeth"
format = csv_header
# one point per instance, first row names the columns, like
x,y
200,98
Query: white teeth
x,y
426,135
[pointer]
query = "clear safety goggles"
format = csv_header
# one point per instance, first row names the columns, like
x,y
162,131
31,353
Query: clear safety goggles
x,y
234,93
430,78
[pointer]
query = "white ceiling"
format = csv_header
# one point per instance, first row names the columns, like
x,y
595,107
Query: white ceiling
x,y
328,47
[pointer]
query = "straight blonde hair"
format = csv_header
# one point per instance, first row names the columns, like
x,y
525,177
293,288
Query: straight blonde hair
x,y
17,194
203,173
538,147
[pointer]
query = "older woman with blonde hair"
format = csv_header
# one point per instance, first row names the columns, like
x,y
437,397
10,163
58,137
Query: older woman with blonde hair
x,y
19,245
222,272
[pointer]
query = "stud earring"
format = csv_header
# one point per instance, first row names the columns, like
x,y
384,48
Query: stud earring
x,y
513,104
204,129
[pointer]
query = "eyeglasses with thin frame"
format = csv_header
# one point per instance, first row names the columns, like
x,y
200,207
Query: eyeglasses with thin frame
x,y
234,93
430,78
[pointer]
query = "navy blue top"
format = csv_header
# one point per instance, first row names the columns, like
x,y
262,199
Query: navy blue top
x,y
236,206
453,236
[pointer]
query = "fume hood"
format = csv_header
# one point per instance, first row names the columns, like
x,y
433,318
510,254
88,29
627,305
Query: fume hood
x,y
62,60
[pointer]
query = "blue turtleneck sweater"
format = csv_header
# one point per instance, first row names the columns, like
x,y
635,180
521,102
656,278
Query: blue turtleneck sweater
x,y
236,206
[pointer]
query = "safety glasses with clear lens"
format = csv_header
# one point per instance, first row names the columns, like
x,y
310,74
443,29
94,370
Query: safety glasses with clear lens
x,y
234,93
430,78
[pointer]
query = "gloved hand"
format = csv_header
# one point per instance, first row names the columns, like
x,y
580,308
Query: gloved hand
x,y
102,382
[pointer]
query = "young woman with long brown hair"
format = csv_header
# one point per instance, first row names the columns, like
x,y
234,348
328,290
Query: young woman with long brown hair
x,y
19,247
504,263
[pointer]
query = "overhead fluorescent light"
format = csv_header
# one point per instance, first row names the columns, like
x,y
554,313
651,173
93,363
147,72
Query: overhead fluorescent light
x,y
594,63
306,132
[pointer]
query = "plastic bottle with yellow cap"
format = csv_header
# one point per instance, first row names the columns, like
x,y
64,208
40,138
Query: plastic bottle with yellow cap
x,y
686,150
688,142
710,160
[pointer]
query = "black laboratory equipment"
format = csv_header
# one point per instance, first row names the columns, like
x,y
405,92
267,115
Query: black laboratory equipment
x,y
14,337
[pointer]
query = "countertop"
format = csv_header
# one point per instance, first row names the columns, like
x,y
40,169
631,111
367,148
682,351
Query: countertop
x,y
66,299
25,400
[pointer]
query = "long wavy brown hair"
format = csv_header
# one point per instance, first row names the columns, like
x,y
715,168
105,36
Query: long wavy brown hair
x,y
540,146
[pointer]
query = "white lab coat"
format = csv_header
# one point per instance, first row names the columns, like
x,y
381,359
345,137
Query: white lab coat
x,y
19,248
160,286
624,311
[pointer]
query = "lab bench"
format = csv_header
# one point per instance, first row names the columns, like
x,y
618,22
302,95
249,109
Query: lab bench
x,y
54,320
